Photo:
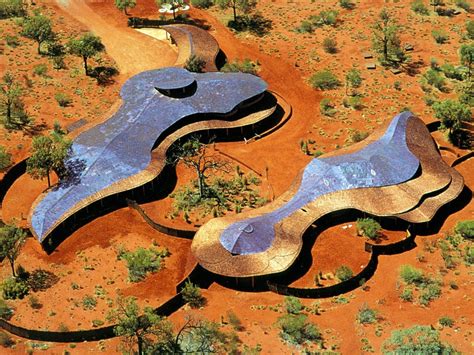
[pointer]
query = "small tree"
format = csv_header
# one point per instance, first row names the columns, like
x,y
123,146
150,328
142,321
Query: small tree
x,y
324,80
38,28
123,5
385,38
465,228
195,64
419,339
466,54
12,8
353,79
368,227
11,241
174,5
451,114
11,93
245,6
86,47
344,273
293,305
5,158
470,29
141,330
192,295
48,154
330,45
296,329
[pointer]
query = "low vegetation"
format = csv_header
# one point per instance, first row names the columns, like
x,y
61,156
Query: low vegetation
x,y
142,261
428,288
369,228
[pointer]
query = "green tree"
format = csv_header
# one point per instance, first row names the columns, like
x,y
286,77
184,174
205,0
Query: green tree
x,y
368,227
324,80
451,114
192,295
466,54
465,228
385,39
86,47
470,29
48,154
330,45
5,158
245,6
353,79
293,305
295,329
11,8
419,7
38,28
12,239
419,339
195,64
142,331
344,273
123,5
10,92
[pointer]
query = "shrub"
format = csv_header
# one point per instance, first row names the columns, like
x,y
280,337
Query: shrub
x,y
330,45
440,36
246,66
296,330
5,158
397,85
411,275
88,302
470,29
430,291
327,108
192,295
6,312
40,69
305,27
353,101
366,315
450,71
346,4
202,4
368,227
463,4
143,261
12,41
469,254
419,7
327,17
434,78
446,321
419,339
34,302
5,340
465,228
324,80
293,305
14,288
62,99
358,136
195,64
97,323
234,321
353,78
11,8
344,273
407,294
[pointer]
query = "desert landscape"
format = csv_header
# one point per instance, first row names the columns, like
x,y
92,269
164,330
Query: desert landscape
x,y
141,263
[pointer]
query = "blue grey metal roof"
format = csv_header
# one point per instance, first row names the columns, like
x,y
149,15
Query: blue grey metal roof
x,y
120,147
384,162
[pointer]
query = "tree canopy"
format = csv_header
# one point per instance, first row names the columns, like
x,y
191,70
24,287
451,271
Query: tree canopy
x,y
368,227
451,114
11,241
466,54
10,95
385,40
244,6
38,28
86,47
123,5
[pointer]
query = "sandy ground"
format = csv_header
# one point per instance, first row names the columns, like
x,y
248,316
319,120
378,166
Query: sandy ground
x,y
88,257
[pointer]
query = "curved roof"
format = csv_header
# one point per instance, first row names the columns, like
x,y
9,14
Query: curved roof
x,y
399,173
120,148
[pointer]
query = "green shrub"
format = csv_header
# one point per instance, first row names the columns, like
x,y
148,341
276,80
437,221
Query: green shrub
x,y
324,80
326,17
446,321
419,339
330,45
366,315
202,4
293,305
346,4
358,136
469,254
450,71
246,66
195,64
305,27
353,101
88,302
143,261
327,108
430,291
407,294
40,69
465,228
419,7
5,158
6,340
192,295
12,41
296,330
397,85
34,302
6,312
97,323
368,227
11,8
434,78
463,4
470,29
14,288
411,275
440,36
234,321
63,99
344,273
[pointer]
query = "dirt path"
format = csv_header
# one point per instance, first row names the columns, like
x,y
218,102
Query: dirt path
x,y
133,52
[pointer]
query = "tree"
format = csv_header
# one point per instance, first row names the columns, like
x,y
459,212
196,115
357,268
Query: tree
x,y
86,46
330,45
436,3
11,241
353,79
420,339
192,295
451,114
295,329
48,154
466,54
368,227
195,64
123,5
344,273
245,6
11,8
5,158
324,80
419,7
293,305
141,330
11,93
470,29
38,28
194,155
385,38
465,228
174,5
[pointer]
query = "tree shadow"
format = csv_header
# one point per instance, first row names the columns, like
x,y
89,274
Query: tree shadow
x,y
71,175
104,75
412,68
